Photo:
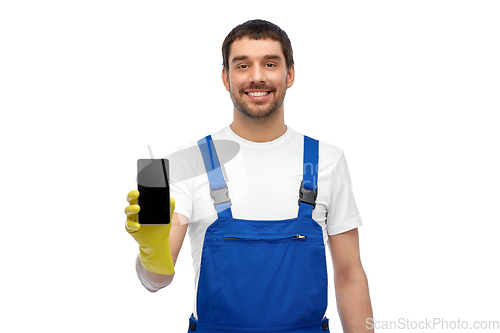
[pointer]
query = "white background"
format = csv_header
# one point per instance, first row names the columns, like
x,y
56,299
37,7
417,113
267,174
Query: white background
x,y
409,89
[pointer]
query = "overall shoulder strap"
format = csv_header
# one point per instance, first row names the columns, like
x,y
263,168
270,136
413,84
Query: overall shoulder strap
x,y
309,187
218,186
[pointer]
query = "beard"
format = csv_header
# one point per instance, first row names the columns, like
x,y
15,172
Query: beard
x,y
258,111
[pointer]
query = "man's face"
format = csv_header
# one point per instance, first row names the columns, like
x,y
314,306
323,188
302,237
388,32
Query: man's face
x,y
257,79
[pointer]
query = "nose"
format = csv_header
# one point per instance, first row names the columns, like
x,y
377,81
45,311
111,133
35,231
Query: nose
x,y
257,75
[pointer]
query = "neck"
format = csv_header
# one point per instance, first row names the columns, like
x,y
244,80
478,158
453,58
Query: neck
x,y
258,131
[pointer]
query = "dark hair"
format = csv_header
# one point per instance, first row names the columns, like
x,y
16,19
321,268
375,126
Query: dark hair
x,y
257,29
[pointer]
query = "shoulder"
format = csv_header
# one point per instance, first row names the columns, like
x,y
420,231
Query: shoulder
x,y
222,134
328,152
186,162
191,148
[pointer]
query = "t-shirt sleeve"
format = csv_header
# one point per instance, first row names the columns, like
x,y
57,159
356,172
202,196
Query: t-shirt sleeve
x,y
183,201
181,178
343,213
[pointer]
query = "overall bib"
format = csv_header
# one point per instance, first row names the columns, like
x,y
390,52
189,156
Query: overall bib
x,y
262,276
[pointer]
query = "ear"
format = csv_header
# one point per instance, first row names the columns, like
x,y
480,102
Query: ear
x,y
290,77
225,78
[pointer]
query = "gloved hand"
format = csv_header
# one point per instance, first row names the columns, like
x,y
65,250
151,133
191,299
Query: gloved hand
x,y
153,239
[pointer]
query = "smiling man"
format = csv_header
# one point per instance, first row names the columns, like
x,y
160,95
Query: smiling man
x,y
257,74
257,78
259,228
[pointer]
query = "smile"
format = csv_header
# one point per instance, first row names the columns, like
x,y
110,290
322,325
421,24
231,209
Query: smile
x,y
257,93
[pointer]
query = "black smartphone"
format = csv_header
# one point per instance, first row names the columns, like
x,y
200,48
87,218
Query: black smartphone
x,y
154,191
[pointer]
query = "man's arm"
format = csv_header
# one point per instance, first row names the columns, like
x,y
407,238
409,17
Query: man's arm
x,y
351,284
153,281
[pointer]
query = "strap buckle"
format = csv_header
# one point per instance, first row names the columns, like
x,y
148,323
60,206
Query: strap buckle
x,y
220,196
307,196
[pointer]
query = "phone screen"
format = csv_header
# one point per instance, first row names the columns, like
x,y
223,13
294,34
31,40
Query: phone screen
x,y
154,191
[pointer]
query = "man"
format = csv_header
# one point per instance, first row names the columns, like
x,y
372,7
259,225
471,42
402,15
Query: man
x,y
258,254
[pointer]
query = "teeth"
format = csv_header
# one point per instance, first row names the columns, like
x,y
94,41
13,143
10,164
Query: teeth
x,y
258,94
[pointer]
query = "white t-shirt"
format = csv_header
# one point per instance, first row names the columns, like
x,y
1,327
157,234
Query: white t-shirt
x,y
263,181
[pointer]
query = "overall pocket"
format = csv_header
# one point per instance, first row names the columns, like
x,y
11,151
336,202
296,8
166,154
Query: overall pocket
x,y
267,238
264,281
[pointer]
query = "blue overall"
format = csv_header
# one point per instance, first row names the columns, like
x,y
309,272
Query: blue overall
x,y
262,276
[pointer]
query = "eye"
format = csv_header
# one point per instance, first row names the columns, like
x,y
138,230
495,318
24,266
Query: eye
x,y
242,66
270,65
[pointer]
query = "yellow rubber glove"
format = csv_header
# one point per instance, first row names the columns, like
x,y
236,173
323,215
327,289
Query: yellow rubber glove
x,y
153,240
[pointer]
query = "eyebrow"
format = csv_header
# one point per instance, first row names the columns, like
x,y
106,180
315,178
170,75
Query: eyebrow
x,y
244,57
